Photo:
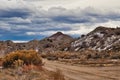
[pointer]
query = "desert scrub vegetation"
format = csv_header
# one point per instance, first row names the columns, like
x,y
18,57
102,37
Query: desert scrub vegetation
x,y
1,61
57,75
18,58
86,57
10,74
87,54
27,65
60,55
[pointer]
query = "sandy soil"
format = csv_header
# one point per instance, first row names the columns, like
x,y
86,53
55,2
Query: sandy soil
x,y
84,73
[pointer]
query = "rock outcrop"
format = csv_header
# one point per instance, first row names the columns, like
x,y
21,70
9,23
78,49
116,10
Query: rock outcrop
x,y
102,38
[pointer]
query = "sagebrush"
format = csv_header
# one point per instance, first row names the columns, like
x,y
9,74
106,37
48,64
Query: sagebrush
x,y
25,56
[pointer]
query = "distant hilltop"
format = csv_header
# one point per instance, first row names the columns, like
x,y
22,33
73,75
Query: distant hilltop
x,y
55,42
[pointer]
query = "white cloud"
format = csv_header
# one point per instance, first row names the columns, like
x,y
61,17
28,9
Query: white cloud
x,y
19,41
31,33
68,4
72,4
46,17
44,33
5,26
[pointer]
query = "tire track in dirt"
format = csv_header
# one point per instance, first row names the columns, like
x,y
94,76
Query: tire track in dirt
x,y
80,73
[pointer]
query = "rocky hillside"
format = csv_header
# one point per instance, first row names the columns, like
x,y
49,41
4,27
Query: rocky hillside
x,y
57,41
100,39
9,46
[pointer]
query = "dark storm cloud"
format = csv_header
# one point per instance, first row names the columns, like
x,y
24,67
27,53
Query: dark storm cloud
x,y
70,19
22,24
87,15
14,13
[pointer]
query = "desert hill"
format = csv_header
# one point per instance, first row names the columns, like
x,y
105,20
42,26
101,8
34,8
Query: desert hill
x,y
102,38
57,41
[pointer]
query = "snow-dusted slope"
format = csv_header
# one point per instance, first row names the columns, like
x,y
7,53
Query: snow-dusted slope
x,y
101,38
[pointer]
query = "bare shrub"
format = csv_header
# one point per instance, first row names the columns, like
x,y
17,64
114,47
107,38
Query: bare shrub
x,y
1,61
26,56
57,75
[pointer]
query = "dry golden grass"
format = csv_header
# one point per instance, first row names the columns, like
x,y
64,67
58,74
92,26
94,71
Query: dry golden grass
x,y
57,75
1,61
27,66
87,58
31,74
22,57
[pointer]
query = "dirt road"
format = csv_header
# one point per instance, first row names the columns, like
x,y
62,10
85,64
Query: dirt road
x,y
85,73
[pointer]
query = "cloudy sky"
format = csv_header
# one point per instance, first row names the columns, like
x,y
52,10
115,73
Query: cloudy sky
x,y
23,20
